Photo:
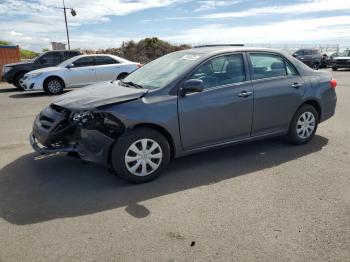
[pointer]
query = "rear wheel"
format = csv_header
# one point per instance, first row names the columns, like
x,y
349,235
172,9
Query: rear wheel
x,y
18,81
141,155
304,125
53,86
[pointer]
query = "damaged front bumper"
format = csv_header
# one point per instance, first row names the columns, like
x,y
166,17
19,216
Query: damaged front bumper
x,y
54,131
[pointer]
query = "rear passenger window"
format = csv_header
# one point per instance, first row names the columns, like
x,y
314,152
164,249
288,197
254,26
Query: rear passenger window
x,y
223,70
267,66
105,60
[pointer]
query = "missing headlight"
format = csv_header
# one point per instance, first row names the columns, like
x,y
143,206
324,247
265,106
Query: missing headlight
x,y
82,118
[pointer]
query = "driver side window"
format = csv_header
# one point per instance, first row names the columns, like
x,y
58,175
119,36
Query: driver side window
x,y
222,70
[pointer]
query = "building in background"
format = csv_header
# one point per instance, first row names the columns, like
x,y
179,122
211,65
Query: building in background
x,y
58,46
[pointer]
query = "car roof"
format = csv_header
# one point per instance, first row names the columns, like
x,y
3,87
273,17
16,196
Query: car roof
x,y
210,51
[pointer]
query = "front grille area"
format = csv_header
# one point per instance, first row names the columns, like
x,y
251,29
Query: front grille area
x,y
342,62
52,125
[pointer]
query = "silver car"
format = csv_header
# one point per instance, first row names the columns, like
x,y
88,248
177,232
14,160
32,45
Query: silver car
x,y
78,71
187,102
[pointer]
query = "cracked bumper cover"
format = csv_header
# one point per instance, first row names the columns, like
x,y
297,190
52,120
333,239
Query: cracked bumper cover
x,y
93,146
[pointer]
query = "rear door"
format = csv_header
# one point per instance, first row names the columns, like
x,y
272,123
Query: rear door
x,y
278,91
83,72
107,68
223,111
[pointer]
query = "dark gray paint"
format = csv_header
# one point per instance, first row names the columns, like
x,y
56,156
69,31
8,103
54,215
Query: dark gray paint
x,y
215,117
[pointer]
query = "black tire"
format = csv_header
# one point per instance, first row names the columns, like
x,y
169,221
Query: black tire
x,y
17,80
54,85
122,146
334,68
122,76
293,136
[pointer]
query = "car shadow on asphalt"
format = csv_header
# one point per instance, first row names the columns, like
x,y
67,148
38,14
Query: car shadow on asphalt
x,y
35,189
8,90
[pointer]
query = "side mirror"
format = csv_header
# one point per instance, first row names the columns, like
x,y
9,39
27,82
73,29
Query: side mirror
x,y
70,66
192,86
295,55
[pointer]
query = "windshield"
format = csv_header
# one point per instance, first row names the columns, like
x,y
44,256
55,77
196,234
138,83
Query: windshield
x,y
162,71
35,59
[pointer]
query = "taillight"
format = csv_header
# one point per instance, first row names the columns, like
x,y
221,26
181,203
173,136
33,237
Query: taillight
x,y
333,83
139,65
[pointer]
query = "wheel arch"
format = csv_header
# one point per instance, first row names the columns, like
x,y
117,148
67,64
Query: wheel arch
x,y
161,130
122,74
315,104
54,76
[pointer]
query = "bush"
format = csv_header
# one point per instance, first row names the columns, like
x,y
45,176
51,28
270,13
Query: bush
x,y
143,51
27,54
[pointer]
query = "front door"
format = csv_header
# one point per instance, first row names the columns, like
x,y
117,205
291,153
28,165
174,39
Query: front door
x,y
82,73
278,91
223,111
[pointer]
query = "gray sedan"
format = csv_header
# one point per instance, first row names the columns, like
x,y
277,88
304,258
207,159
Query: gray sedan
x,y
187,102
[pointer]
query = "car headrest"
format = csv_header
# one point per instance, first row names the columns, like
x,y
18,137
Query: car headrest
x,y
277,66
235,67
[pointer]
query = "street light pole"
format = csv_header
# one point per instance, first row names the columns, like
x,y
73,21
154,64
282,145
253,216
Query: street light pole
x,y
65,19
73,13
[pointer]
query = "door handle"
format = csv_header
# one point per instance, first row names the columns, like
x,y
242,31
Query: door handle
x,y
245,94
297,85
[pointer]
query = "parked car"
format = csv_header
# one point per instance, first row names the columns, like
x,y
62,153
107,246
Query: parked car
x,y
187,102
13,73
77,72
310,57
342,61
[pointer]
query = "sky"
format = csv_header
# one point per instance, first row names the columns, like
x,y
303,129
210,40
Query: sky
x,y
33,24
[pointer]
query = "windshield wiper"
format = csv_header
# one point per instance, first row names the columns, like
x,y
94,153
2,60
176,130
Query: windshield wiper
x,y
132,84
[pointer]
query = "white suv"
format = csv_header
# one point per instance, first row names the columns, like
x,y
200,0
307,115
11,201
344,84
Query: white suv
x,y
78,71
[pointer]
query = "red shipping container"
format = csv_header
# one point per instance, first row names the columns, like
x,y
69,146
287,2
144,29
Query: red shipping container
x,y
8,54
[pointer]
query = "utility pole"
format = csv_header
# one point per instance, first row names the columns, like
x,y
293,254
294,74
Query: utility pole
x,y
74,13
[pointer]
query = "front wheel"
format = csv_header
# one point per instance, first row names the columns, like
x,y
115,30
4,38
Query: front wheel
x,y
140,155
304,125
19,82
53,86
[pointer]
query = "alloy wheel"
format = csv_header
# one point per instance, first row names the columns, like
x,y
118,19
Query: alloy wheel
x,y
143,157
54,86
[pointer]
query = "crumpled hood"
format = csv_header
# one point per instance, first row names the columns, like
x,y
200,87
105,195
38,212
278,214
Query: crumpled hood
x,y
97,95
